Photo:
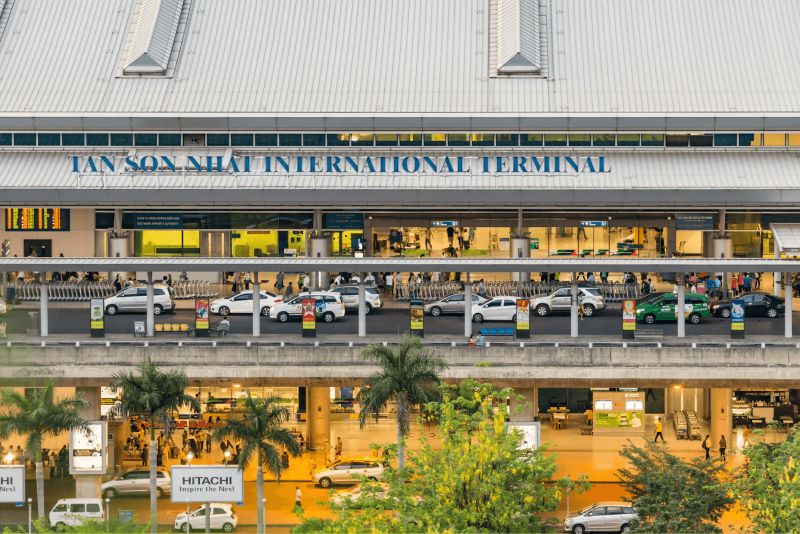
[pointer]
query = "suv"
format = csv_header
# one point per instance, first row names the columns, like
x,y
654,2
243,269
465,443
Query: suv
x,y
329,306
73,512
136,481
349,294
560,300
346,471
602,517
663,308
134,299
452,304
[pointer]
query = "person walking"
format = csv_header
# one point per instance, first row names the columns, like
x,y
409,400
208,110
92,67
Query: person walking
x,y
723,445
389,283
707,446
247,280
298,498
145,454
279,282
659,431
306,282
481,289
289,291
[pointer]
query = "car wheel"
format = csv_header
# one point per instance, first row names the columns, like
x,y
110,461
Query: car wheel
x,y
369,308
60,527
186,527
157,309
725,313
372,479
265,311
224,311
328,317
111,309
625,529
283,317
325,482
514,318
159,493
588,310
578,529
477,318
650,318
542,310
110,493
772,313
436,311
694,318
227,527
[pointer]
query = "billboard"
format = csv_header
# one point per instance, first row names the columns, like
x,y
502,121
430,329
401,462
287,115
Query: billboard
x,y
309,317
201,317
737,318
96,319
628,318
523,318
87,449
417,317
12,483
206,483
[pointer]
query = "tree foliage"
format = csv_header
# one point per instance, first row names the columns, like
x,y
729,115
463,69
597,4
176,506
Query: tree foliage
x,y
674,495
768,485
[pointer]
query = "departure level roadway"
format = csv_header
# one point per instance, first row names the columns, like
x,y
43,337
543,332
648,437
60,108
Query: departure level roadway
x,y
392,321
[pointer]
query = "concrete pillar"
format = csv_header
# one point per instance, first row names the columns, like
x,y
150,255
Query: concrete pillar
x,y
520,248
672,237
362,306
319,417
88,486
681,306
776,277
151,320
573,306
468,307
118,247
44,296
788,310
526,409
256,305
320,248
721,423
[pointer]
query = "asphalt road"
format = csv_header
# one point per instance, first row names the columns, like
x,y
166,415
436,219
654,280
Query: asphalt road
x,y
72,320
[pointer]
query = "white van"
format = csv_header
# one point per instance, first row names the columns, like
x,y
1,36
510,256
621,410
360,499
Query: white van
x,y
73,512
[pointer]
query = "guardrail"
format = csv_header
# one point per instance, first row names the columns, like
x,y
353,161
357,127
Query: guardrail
x,y
431,291
82,291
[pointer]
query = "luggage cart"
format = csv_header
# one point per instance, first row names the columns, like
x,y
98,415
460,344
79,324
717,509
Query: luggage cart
x,y
693,425
681,426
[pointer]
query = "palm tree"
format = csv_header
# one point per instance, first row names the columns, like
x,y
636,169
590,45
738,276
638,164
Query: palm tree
x,y
35,416
260,431
409,376
154,395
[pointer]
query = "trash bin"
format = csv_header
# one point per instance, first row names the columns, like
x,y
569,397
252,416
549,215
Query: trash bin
x,y
33,323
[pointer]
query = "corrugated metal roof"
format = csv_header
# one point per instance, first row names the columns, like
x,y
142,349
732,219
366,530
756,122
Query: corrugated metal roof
x,y
787,236
410,56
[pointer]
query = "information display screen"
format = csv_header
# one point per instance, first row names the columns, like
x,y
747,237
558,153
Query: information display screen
x,y
37,219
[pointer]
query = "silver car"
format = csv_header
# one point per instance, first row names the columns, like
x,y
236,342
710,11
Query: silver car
x,y
590,298
134,299
452,304
602,517
349,293
136,481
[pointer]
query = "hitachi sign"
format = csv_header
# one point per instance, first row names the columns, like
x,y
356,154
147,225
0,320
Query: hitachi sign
x,y
333,164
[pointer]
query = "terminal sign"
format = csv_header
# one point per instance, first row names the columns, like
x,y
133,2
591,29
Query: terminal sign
x,y
206,483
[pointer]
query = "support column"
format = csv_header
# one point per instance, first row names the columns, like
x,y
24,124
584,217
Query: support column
x,y
680,308
362,306
520,248
256,305
151,319
776,277
573,306
320,248
319,418
788,306
524,410
721,423
468,307
88,486
44,296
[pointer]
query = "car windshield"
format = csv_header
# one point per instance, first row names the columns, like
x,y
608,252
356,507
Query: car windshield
x,y
592,290
586,510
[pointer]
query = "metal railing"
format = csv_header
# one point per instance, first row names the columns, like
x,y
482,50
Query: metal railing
x,y
190,289
431,291
82,291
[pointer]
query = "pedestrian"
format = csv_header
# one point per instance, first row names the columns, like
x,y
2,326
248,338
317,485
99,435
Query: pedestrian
x,y
722,446
338,447
707,446
659,431
247,281
603,278
389,284
117,284
63,461
237,282
144,454
285,460
160,456
590,278
279,282
428,245
757,280
369,279
298,496
289,291
327,450
53,460
481,289
748,282
306,282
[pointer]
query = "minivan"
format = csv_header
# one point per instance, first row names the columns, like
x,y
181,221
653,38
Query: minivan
x,y
74,512
347,471
134,299
663,308
602,517
136,481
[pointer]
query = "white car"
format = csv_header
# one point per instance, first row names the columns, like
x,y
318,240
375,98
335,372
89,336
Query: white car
x,y
346,471
560,300
498,309
349,293
329,307
223,517
243,303
136,481
134,299
74,512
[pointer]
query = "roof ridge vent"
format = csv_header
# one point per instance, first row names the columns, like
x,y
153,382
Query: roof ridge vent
x,y
152,36
517,33
5,13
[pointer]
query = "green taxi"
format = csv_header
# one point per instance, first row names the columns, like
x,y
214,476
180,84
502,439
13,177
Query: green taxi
x,y
663,308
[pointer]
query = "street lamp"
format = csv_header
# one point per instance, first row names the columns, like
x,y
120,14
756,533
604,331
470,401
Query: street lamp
x,y
227,456
30,515
8,458
108,513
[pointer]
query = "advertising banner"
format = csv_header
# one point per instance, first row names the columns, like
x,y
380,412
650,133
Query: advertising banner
x,y
531,434
201,317
523,318
309,315
206,483
737,319
618,419
87,449
417,317
96,319
12,483
628,318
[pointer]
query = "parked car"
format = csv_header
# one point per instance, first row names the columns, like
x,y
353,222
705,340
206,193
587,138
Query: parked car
x,y
74,512
663,308
329,306
346,471
755,305
349,294
243,303
502,308
589,298
602,517
134,299
452,304
223,517
650,297
136,481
